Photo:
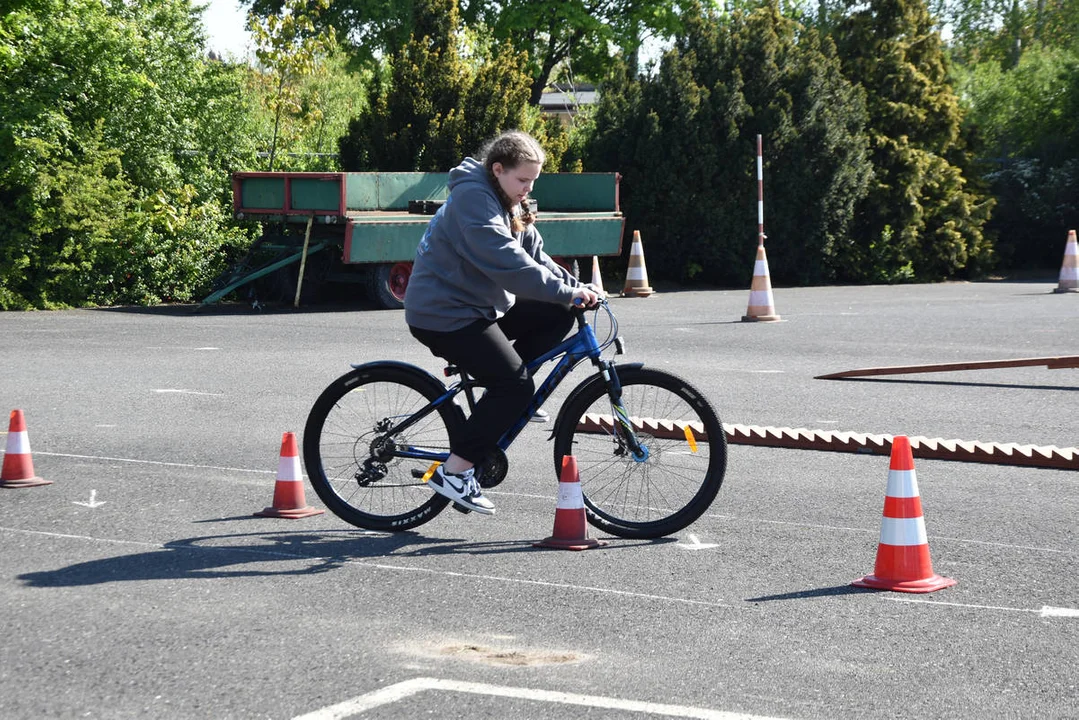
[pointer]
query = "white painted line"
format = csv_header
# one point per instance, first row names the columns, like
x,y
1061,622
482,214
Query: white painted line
x,y
383,566
696,544
179,391
1048,611
1045,611
94,502
876,530
402,690
179,347
153,462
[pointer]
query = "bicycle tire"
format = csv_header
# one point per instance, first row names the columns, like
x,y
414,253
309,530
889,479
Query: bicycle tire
x,y
338,444
683,472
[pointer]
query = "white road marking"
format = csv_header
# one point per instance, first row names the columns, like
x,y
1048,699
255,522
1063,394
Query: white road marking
x,y
402,690
179,347
1045,611
94,502
152,462
1048,611
696,544
385,566
180,391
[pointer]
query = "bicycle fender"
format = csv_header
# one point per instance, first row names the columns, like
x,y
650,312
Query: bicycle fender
x,y
587,385
390,363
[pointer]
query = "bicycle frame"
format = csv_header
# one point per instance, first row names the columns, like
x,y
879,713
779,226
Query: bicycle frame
x,y
574,349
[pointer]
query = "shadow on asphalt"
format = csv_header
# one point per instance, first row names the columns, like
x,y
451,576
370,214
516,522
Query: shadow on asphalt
x,y
199,558
818,592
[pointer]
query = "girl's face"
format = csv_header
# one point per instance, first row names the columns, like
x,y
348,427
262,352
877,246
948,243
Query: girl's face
x,y
516,182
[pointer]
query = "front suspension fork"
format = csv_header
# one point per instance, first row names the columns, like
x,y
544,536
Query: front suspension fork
x,y
623,427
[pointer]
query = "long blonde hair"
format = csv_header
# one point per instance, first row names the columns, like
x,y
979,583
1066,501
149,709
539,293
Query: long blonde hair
x,y
510,149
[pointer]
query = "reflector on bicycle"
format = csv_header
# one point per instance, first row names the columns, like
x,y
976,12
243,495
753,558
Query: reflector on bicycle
x,y
430,472
690,439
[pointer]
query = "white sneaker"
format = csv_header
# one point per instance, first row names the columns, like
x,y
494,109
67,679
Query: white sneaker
x,y
541,416
462,488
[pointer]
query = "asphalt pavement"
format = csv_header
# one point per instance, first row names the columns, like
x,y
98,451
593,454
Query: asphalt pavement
x,y
140,585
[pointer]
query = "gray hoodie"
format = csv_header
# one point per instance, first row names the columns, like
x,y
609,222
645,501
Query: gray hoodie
x,y
470,266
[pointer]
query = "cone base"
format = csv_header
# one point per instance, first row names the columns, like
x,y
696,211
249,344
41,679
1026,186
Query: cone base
x,y
24,482
929,584
562,544
289,514
760,318
637,292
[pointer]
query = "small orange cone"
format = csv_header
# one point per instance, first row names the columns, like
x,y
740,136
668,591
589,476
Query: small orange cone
x,y
288,499
903,562
18,470
762,308
637,274
597,280
1069,269
570,530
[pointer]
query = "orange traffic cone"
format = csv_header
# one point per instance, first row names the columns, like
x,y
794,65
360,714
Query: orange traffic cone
x,y
903,562
637,274
570,531
1069,269
18,470
597,280
288,499
762,308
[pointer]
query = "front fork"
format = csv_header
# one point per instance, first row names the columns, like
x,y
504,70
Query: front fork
x,y
623,427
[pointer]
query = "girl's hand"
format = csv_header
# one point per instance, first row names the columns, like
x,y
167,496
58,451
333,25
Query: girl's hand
x,y
585,296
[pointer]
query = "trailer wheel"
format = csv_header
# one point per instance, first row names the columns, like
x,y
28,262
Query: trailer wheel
x,y
386,284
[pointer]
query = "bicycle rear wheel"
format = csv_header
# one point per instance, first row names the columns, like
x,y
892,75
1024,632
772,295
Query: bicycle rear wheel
x,y
687,453
349,446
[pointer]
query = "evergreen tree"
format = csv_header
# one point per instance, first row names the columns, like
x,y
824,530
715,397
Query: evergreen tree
x,y
685,141
920,220
433,106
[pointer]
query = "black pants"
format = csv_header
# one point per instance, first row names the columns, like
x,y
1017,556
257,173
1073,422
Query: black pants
x,y
496,354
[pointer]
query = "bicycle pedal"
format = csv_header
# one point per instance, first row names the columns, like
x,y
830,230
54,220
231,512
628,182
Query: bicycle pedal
x,y
461,508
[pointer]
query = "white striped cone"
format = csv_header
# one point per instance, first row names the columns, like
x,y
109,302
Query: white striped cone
x,y
903,561
288,497
597,280
1069,269
637,273
570,529
18,468
762,308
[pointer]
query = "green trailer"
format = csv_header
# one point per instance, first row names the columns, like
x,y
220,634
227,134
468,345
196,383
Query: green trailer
x,y
363,227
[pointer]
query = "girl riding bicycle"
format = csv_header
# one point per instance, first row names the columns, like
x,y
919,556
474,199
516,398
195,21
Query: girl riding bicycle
x,y
485,296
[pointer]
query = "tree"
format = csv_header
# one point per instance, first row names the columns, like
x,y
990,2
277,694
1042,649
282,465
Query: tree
x,y
289,47
115,140
920,220
684,141
432,106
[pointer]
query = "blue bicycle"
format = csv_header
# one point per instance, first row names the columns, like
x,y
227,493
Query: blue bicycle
x,y
650,450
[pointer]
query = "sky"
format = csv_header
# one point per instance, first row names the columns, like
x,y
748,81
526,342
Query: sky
x,y
224,22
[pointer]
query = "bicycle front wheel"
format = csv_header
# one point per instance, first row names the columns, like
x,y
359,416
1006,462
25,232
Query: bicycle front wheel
x,y
678,477
351,446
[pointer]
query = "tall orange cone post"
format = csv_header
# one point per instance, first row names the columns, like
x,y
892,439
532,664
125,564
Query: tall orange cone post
x,y
903,562
18,469
637,274
288,498
762,308
1069,269
597,280
570,529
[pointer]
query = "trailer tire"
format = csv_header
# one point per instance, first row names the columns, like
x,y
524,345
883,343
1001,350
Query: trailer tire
x,y
386,284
